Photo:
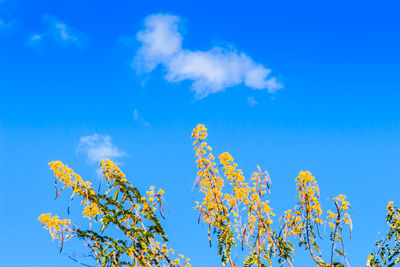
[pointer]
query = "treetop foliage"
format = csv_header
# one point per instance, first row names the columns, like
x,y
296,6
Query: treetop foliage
x,y
235,209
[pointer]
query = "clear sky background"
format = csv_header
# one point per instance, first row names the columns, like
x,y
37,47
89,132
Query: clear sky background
x,y
288,85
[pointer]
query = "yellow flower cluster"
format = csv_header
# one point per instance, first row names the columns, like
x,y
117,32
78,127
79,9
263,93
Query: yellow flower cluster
x,y
394,213
245,206
336,218
308,205
258,227
55,225
308,192
211,184
90,210
152,198
241,189
304,220
74,181
136,213
70,179
294,224
199,133
176,262
111,170
246,210
344,205
159,252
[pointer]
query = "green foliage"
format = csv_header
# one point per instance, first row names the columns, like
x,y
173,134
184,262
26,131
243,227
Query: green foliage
x,y
123,207
235,209
388,249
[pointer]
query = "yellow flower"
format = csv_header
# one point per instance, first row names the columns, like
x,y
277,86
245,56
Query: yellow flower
x,y
55,225
111,171
70,179
91,210
331,215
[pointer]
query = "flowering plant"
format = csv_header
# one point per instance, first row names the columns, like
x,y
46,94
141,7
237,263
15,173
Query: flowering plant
x,y
237,210
144,241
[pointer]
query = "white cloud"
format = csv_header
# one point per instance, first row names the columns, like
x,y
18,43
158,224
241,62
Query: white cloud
x,y
139,118
98,147
251,101
58,31
36,37
136,115
211,71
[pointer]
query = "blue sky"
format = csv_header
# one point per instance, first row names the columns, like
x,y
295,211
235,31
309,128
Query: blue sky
x,y
288,85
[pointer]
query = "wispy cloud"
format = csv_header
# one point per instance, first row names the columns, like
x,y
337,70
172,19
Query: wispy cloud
x,y
57,31
251,101
139,118
211,71
136,116
97,147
